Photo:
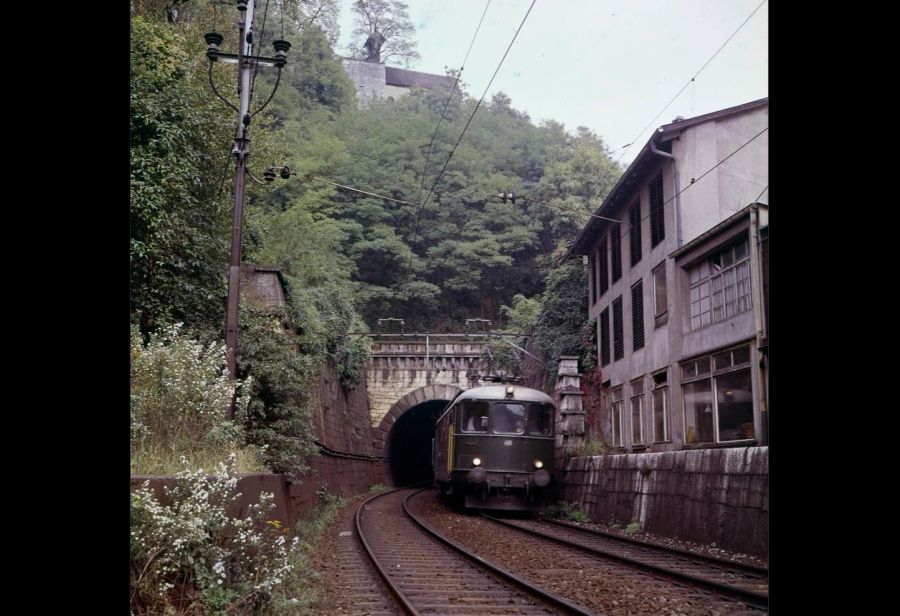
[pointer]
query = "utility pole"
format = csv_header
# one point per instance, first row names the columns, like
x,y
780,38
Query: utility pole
x,y
241,150
245,61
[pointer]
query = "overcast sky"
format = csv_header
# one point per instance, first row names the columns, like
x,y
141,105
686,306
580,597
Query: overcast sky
x,y
610,65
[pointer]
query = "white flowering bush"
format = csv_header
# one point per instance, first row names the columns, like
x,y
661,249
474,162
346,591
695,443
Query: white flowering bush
x,y
189,555
180,394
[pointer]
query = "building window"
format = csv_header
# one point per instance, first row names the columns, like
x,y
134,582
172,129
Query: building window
x,y
637,411
615,237
593,285
657,218
660,298
604,337
660,407
637,315
634,231
618,330
718,397
720,286
604,267
616,414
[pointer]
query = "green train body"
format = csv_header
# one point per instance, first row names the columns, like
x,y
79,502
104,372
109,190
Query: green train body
x,y
493,447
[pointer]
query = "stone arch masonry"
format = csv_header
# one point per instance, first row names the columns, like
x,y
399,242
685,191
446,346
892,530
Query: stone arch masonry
x,y
382,434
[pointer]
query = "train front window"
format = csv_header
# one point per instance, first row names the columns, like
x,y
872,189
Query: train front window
x,y
474,416
509,418
540,420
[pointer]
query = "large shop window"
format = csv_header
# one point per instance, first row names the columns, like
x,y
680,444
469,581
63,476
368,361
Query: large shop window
x,y
720,286
718,397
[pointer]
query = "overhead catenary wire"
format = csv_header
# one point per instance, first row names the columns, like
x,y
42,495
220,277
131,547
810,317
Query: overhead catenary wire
x,y
705,64
447,104
371,194
465,128
259,47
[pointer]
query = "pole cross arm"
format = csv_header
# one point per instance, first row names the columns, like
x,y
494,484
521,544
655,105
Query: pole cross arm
x,y
232,58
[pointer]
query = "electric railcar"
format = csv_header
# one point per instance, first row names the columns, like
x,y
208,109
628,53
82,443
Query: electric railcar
x,y
493,447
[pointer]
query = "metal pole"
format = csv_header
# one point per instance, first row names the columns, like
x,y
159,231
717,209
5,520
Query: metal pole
x,y
241,150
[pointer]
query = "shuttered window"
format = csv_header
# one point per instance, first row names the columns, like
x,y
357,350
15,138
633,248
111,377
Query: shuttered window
x,y
657,220
618,330
615,237
604,267
634,232
637,314
593,270
604,337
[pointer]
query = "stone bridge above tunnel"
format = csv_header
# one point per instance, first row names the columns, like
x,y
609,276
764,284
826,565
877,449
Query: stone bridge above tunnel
x,y
409,379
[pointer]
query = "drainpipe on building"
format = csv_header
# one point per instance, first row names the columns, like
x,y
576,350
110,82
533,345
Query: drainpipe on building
x,y
758,317
677,191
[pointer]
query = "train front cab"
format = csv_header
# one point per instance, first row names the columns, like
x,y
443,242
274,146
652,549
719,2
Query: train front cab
x,y
498,453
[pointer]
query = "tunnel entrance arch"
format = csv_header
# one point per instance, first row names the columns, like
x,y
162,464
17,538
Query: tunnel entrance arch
x,y
403,438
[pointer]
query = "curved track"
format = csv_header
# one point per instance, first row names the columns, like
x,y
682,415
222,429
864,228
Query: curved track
x,y
746,583
431,575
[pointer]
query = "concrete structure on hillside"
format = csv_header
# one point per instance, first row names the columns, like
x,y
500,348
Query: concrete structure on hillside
x,y
376,80
678,286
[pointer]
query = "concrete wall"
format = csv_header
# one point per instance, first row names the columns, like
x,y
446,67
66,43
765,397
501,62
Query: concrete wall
x,y
705,496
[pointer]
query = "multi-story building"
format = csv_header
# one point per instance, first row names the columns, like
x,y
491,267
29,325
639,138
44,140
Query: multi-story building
x,y
678,269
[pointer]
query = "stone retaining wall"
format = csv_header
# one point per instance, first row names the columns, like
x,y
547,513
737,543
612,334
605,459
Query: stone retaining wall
x,y
705,496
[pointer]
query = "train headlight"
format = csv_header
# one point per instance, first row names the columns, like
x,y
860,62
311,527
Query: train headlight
x,y
541,478
538,464
477,475
476,461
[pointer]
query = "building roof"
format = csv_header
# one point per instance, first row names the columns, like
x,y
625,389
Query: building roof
x,y
722,226
408,79
644,163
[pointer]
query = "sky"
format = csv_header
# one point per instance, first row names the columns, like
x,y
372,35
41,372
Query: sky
x,y
609,65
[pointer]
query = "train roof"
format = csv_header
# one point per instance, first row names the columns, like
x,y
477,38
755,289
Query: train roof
x,y
498,392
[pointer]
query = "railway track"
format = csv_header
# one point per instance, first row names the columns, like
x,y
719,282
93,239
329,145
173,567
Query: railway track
x,y
428,574
746,583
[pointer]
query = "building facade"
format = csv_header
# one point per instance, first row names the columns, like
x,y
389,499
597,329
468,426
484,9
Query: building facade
x,y
676,256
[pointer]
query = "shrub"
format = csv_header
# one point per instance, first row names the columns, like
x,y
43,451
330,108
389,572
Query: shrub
x,y
566,511
180,394
632,528
190,554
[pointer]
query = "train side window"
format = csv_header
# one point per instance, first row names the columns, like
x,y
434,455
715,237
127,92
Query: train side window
x,y
474,416
509,418
540,420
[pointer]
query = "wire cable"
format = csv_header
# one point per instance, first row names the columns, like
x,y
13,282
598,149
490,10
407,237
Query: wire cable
x,y
705,64
673,197
447,104
471,117
256,63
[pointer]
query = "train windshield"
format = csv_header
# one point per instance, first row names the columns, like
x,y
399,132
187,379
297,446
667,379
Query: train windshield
x,y
540,420
509,418
474,416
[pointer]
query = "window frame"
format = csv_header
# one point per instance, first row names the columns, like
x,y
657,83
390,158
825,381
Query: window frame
x,y
615,238
605,346
618,329
637,395
708,279
660,385
616,406
637,315
660,317
634,232
657,210
710,375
